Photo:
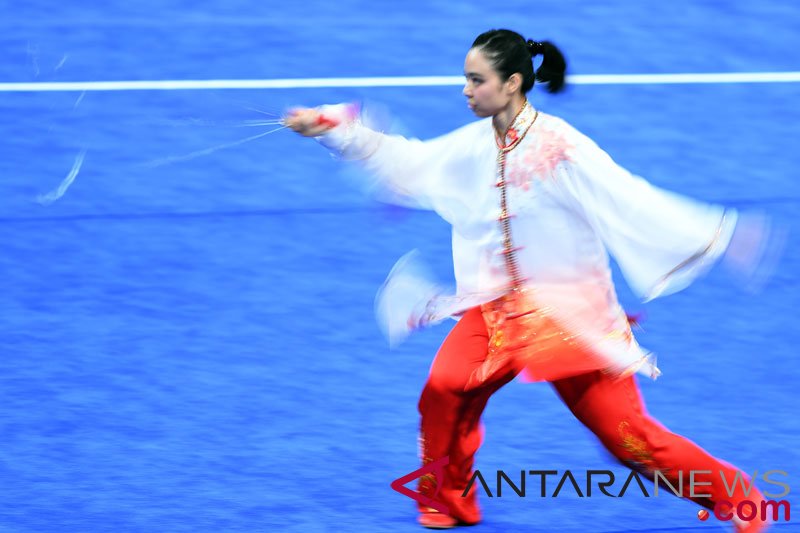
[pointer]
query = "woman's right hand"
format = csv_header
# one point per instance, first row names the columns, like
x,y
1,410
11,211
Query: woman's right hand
x,y
308,122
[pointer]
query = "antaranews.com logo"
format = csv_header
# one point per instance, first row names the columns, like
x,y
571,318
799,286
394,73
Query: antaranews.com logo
x,y
552,483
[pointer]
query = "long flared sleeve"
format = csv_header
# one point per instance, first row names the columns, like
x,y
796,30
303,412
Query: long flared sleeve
x,y
661,241
433,174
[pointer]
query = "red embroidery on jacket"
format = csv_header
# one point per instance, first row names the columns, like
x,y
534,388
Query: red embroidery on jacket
x,y
539,159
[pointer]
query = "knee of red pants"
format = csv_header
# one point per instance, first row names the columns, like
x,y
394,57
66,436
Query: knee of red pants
x,y
449,381
441,389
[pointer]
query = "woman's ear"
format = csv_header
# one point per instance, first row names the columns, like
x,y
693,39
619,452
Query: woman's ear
x,y
514,83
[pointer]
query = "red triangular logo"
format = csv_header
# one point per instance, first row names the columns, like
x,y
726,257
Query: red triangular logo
x,y
437,467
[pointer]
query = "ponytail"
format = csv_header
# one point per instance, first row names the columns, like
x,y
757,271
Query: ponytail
x,y
553,67
510,53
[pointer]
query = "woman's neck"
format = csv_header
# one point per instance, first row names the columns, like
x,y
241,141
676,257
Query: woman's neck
x,y
503,120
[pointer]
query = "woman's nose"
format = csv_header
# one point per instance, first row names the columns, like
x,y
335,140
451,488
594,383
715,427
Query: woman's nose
x,y
467,91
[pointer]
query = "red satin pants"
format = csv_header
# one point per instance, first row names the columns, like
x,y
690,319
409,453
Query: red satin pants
x,y
612,409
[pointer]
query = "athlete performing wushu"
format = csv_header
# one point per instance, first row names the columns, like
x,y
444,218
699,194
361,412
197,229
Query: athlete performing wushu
x,y
535,208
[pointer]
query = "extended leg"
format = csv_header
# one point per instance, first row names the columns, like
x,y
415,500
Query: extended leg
x,y
450,424
614,411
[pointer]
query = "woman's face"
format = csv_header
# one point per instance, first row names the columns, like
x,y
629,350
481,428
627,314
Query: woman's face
x,y
486,93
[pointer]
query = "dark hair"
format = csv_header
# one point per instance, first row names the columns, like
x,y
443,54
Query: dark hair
x,y
509,52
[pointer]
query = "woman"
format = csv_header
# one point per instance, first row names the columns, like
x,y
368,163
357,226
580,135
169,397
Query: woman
x,y
534,206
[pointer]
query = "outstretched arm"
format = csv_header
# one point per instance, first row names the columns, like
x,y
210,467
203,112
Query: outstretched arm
x,y
431,174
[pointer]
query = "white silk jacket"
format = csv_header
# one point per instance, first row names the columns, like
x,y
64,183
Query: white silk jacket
x,y
570,205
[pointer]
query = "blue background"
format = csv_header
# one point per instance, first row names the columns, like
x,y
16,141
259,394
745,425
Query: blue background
x,y
191,346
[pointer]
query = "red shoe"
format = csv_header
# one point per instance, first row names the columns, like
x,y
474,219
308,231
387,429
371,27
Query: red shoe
x,y
436,520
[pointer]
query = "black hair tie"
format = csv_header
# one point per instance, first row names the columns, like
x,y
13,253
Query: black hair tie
x,y
535,47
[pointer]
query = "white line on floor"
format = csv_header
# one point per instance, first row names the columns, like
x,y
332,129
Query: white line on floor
x,y
401,81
